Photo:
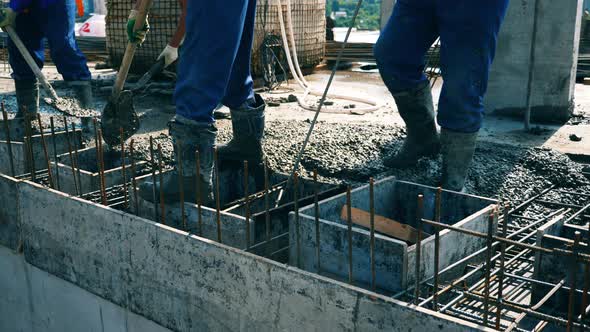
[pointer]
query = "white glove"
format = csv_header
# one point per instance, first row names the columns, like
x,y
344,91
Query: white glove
x,y
170,54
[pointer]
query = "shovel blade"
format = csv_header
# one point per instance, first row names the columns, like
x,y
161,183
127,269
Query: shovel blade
x,y
117,114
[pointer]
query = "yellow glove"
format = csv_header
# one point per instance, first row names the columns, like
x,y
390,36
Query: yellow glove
x,y
7,17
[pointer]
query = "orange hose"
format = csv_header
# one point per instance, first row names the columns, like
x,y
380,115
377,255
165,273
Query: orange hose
x,y
80,6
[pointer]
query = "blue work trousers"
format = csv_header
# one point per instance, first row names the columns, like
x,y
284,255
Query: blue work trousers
x,y
215,61
468,30
55,22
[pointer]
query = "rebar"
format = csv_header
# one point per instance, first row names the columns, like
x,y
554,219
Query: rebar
x,y
8,140
419,215
297,221
51,124
247,206
103,186
372,231
267,206
316,205
29,145
217,194
97,140
134,178
77,160
349,222
438,202
179,167
123,166
154,180
573,270
502,265
72,163
45,153
162,198
490,241
199,193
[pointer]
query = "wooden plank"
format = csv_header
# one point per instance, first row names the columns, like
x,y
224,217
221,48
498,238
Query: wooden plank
x,y
383,225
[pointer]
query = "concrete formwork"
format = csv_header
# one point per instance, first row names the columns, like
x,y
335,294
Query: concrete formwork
x,y
9,213
19,151
394,259
188,283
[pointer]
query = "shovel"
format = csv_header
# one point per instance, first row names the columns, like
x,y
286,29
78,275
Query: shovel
x,y
53,99
119,111
156,68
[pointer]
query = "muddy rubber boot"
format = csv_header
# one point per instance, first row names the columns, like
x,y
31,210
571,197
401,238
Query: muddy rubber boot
x,y
457,150
193,136
27,97
248,130
417,111
83,91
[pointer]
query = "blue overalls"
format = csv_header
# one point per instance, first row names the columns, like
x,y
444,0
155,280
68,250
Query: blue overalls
x,y
215,61
54,20
468,30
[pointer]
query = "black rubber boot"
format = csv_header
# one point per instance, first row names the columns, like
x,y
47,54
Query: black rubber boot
x,y
457,150
83,91
193,136
27,98
417,110
248,129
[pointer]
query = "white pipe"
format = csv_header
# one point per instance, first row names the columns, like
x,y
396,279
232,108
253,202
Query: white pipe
x,y
299,78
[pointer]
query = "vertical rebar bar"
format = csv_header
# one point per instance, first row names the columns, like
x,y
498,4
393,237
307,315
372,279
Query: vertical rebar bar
x,y
103,186
488,268
217,198
437,217
162,198
573,270
52,126
154,180
123,168
29,146
349,222
296,210
45,153
316,203
134,178
181,182
372,230
8,140
97,139
199,193
247,206
586,282
77,160
419,215
72,164
502,266
267,208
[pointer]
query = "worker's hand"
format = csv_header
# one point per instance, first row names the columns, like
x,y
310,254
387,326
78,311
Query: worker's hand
x,y
139,35
170,54
7,17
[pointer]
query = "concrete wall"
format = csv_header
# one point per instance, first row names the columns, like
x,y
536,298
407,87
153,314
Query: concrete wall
x,y
187,283
34,300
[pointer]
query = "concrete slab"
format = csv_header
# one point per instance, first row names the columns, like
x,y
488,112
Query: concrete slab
x,y
394,259
9,213
188,283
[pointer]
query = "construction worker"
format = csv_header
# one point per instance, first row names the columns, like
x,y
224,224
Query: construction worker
x,y
33,21
214,68
468,32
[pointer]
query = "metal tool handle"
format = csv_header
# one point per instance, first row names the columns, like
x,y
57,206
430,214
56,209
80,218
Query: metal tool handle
x,y
30,61
130,50
156,68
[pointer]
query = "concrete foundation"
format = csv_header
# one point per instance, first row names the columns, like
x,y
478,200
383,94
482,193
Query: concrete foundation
x,y
394,259
183,282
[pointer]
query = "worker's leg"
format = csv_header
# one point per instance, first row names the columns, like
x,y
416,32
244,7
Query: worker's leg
x,y
247,112
469,31
400,54
27,89
59,23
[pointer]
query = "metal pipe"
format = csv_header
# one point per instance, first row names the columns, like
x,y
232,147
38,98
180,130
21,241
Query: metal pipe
x,y
123,170
437,248
486,305
69,143
573,270
349,222
134,178
247,206
8,140
154,165
419,215
316,204
45,153
162,198
199,193
217,198
372,231
52,126
297,225
103,186
181,183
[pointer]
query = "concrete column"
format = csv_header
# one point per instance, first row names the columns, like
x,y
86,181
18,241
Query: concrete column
x,y
386,9
554,68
